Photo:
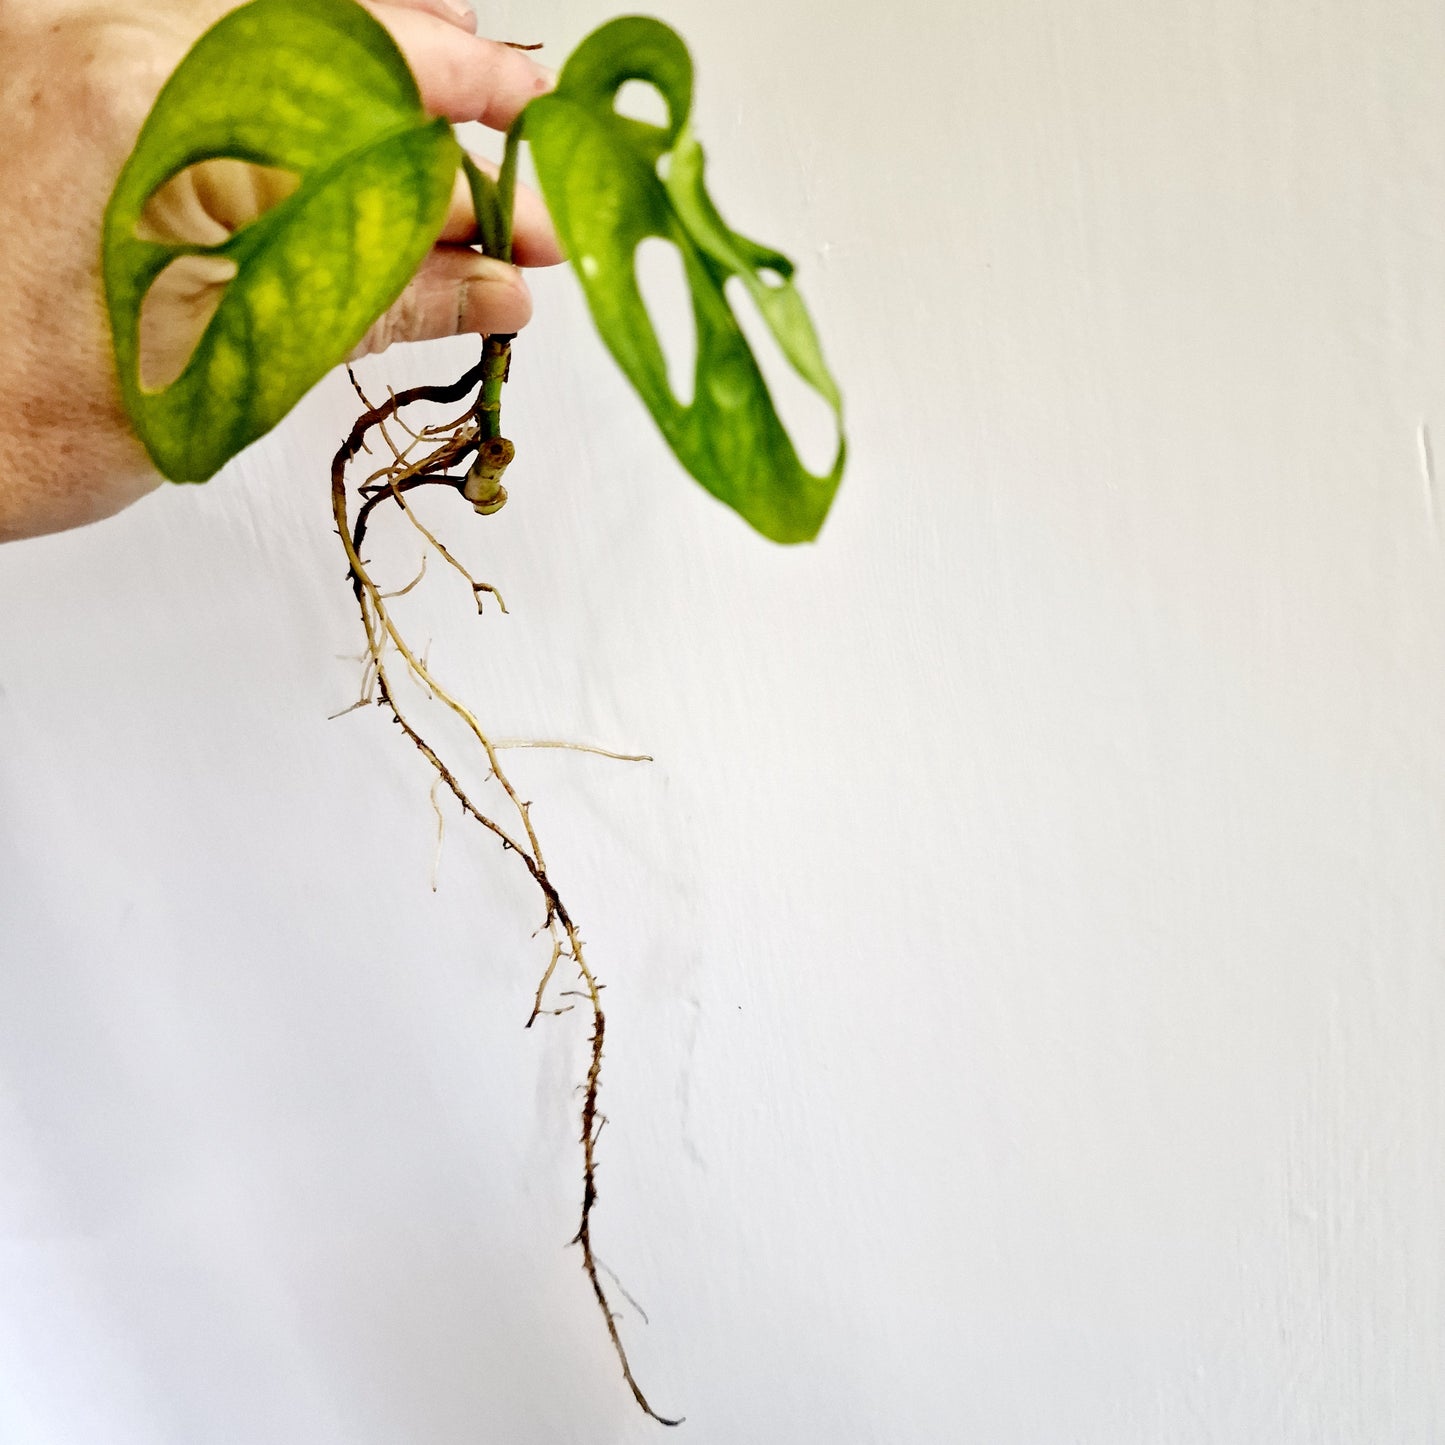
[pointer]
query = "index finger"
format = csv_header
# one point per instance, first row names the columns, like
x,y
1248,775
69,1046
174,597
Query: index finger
x,y
463,76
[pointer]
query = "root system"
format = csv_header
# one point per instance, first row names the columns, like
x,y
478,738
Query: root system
x,y
434,456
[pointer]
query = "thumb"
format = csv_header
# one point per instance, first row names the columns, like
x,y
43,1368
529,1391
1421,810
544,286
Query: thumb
x,y
456,291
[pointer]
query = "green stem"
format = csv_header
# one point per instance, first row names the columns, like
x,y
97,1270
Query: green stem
x,y
496,361
493,202
483,487
507,183
493,221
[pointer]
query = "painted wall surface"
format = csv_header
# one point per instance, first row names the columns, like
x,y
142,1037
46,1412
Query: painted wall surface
x,y
1026,956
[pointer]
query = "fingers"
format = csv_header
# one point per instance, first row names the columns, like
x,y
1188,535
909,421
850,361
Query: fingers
x,y
462,76
455,291
467,78
534,241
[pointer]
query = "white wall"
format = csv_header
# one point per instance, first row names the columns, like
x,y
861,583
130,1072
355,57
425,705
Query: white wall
x,y
1027,954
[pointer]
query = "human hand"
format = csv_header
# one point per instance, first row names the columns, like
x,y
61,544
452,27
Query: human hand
x,y
81,79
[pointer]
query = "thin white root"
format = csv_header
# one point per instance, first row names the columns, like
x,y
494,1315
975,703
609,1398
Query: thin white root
x,y
436,861
501,743
402,591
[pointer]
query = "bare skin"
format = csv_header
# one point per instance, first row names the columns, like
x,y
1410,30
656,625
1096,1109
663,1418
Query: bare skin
x,y
79,79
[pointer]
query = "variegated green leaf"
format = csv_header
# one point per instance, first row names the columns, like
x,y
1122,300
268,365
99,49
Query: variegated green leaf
x,y
611,182
316,89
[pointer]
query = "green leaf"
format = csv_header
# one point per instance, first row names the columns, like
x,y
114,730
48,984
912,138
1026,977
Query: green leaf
x,y
316,88
600,174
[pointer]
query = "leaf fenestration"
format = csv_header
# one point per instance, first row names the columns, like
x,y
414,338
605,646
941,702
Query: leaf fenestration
x,y
600,173
319,89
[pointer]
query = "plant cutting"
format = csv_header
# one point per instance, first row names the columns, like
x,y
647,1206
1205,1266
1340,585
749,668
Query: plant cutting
x,y
353,179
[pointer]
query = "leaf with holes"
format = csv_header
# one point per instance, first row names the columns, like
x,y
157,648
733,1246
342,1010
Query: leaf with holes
x,y
315,90
601,173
